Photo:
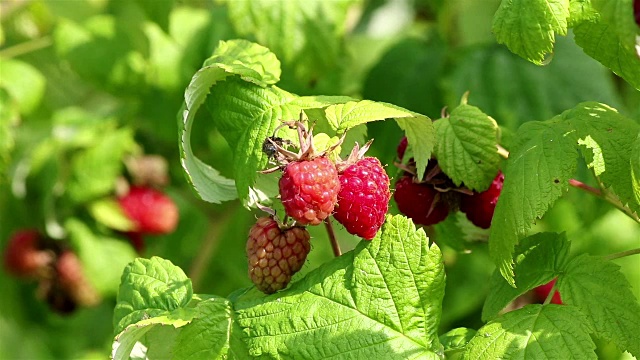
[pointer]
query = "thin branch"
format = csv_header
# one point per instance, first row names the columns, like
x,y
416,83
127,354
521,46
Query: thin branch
x,y
622,254
332,238
26,47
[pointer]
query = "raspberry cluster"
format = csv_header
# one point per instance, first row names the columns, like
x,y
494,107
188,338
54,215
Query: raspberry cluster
x,y
61,280
429,200
313,186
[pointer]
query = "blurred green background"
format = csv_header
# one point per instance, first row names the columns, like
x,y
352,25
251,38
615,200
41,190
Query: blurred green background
x,y
83,84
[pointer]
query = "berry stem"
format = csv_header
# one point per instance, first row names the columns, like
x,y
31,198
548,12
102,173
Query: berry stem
x,y
332,238
622,254
550,295
605,195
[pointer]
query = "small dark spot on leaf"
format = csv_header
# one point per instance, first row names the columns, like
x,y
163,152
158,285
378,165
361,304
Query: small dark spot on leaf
x,y
557,181
609,129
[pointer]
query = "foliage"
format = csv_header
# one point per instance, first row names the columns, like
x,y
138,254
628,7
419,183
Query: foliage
x,y
85,89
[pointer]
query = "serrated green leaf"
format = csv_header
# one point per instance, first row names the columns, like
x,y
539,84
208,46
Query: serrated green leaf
x,y
618,14
603,294
606,140
534,332
306,35
103,258
528,27
542,161
466,147
455,342
24,84
580,11
539,259
418,128
150,288
94,170
600,41
218,335
254,63
384,297
109,213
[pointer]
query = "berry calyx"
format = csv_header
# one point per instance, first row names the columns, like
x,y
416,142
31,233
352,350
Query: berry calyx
x,y
275,253
24,255
309,190
479,207
543,291
363,199
151,211
420,201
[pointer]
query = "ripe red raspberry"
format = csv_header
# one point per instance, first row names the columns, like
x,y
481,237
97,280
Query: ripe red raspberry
x,y
402,147
636,11
420,202
71,279
479,207
151,211
275,254
543,291
309,190
364,196
24,256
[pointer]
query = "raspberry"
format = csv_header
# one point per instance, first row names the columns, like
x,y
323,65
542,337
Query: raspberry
x,y
543,291
636,11
479,207
420,202
72,280
309,190
24,256
363,199
151,211
275,254
402,147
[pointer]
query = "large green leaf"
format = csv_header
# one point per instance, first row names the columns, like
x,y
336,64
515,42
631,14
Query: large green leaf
x,y
384,297
535,332
537,173
466,147
603,294
528,27
253,63
539,259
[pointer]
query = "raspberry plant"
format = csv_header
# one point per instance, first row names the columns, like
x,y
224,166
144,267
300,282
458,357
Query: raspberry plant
x,y
475,89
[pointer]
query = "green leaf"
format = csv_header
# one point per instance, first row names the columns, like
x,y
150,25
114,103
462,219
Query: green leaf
x,y
305,35
253,63
602,40
418,128
150,288
455,342
542,161
216,333
384,297
580,11
528,27
543,89
24,84
157,11
103,258
466,147
603,294
94,170
109,213
539,259
535,332
635,169
606,140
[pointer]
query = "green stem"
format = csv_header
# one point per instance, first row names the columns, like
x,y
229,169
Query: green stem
x,y
622,254
606,196
551,293
26,47
332,238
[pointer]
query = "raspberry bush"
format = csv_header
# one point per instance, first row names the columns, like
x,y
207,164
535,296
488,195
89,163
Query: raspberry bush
x,y
352,179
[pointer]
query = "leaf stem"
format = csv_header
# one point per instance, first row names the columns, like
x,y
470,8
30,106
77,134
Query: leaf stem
x,y
26,47
551,293
622,254
332,238
605,195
